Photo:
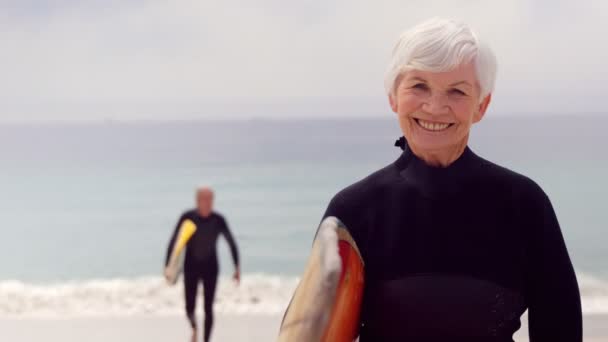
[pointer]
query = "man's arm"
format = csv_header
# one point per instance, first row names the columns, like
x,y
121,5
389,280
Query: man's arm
x,y
231,243
173,237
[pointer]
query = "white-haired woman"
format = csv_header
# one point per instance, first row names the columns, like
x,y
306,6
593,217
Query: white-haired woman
x,y
456,248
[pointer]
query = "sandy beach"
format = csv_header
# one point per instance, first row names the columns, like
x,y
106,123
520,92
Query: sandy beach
x,y
228,328
172,328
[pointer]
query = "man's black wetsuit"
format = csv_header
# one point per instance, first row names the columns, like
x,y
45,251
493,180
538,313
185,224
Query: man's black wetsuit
x,y
201,262
458,254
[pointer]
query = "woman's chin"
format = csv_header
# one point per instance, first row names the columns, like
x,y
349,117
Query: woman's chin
x,y
433,144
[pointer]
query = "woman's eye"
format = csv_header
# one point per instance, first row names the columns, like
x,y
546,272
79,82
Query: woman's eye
x,y
421,86
457,92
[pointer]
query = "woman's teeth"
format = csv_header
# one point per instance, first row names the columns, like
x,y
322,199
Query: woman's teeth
x,y
431,126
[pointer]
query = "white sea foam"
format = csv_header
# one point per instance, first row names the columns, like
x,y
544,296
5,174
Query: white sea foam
x,y
258,294
594,294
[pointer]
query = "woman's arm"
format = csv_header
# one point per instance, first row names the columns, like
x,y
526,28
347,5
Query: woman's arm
x,y
552,293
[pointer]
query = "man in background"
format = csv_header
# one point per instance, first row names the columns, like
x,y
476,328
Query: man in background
x,y
201,262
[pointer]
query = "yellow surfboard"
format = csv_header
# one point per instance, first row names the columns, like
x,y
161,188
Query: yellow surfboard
x,y
176,261
326,305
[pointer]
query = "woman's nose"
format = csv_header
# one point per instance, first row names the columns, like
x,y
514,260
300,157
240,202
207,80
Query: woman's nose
x,y
436,104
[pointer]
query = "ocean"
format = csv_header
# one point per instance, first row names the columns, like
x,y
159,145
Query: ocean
x,y
87,209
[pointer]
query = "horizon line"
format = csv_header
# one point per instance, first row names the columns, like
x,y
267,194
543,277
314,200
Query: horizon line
x,y
110,121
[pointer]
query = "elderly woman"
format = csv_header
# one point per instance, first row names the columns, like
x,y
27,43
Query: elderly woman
x,y
456,248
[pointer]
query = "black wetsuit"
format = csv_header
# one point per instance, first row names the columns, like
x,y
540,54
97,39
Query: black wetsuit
x,y
201,262
459,253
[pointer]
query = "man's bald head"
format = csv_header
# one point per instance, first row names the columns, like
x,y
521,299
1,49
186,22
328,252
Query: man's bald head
x,y
204,200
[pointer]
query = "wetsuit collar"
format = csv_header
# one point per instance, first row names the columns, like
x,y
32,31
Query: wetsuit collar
x,y
434,181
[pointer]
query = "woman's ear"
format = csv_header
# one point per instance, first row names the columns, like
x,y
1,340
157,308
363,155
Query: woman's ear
x,y
393,102
483,106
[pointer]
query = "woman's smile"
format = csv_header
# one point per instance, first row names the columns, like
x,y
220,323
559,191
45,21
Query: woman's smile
x,y
432,126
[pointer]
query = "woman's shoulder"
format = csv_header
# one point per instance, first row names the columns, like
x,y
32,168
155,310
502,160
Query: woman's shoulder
x,y
363,192
519,184
354,204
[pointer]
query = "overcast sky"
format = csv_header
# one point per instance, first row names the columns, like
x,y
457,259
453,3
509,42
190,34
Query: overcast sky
x,y
199,59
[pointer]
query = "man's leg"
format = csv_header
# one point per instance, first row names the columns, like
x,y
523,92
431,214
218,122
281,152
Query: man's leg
x,y
190,290
209,284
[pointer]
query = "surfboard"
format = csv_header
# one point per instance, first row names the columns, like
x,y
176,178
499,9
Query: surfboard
x,y
326,304
176,261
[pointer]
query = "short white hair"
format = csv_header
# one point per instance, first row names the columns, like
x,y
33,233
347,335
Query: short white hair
x,y
204,187
439,45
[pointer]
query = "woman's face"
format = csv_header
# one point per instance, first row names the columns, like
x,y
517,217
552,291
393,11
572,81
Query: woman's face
x,y
436,109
